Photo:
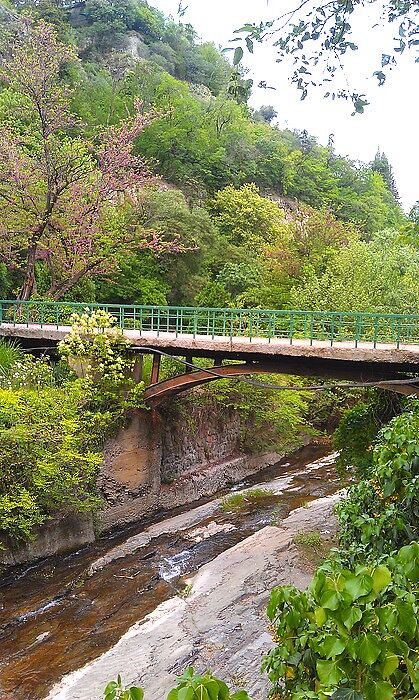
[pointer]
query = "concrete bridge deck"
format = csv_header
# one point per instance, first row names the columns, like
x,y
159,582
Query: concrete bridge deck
x,y
237,347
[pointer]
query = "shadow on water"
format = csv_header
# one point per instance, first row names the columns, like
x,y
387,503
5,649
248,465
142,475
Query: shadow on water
x,y
54,618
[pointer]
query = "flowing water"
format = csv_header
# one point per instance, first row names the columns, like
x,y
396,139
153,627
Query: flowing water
x,y
54,617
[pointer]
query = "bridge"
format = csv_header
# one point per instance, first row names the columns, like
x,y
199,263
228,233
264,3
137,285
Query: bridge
x,y
360,347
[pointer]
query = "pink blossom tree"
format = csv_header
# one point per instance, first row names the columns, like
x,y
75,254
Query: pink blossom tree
x,y
64,200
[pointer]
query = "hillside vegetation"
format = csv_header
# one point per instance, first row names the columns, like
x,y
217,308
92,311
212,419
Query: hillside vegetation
x,y
250,215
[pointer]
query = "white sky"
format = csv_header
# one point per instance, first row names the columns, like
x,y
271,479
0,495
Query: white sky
x,y
389,123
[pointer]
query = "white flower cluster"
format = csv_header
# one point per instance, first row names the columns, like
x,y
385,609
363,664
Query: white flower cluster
x,y
26,373
93,336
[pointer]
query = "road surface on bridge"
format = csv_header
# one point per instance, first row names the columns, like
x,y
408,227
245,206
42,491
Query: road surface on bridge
x,y
184,343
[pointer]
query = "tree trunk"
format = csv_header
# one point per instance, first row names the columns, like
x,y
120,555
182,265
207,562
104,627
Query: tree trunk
x,y
57,291
28,286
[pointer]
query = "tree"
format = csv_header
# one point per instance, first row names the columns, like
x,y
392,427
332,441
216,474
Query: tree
x,y
318,35
246,218
60,194
381,165
381,276
266,113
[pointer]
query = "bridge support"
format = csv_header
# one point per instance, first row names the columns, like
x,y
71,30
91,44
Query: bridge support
x,y
155,370
189,359
138,368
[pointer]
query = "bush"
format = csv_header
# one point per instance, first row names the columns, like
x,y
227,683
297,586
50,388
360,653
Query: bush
x,y
51,437
191,686
352,635
46,463
381,513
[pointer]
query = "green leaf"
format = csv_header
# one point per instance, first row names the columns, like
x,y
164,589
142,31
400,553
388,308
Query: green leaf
x,y
212,688
240,695
346,694
358,585
351,616
380,690
185,693
320,615
136,693
369,648
390,664
406,619
328,672
381,578
332,646
238,55
330,600
173,695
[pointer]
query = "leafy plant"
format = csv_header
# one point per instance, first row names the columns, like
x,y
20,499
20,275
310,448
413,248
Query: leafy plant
x,y
191,686
380,513
353,634
116,691
9,354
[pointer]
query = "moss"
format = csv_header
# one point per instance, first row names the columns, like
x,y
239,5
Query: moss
x,y
241,501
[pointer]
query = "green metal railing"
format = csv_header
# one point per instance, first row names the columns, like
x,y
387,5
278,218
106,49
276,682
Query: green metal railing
x,y
332,326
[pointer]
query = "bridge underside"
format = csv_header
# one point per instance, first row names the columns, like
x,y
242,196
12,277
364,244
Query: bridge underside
x,y
159,392
317,359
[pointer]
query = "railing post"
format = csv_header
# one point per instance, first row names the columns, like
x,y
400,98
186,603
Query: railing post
x,y
291,327
195,322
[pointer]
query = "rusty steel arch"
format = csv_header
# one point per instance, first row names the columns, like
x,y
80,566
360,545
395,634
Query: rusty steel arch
x,y
159,392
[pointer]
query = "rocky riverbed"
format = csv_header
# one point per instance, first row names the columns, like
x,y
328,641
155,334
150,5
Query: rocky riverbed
x,y
221,623
61,617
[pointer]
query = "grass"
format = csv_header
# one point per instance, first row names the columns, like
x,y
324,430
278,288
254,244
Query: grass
x,y
278,514
313,548
241,501
308,539
10,353
185,592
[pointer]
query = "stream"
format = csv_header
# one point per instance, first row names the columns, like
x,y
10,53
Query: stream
x,y
58,614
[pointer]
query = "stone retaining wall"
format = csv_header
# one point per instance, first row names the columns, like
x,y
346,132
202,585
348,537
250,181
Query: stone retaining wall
x,y
158,462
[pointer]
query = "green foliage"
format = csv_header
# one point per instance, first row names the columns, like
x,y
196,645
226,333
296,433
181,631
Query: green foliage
x,y
351,635
191,686
270,419
46,463
358,429
9,354
245,218
381,512
51,437
308,539
378,276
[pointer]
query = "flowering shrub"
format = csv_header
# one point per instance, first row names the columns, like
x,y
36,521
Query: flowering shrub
x,y
95,338
29,372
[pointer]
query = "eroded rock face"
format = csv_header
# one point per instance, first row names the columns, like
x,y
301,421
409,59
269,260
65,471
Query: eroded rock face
x,y
157,462
192,441
62,534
